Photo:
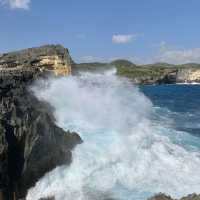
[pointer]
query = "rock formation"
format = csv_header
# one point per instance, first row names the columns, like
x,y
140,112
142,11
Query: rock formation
x,y
165,197
31,144
188,75
53,58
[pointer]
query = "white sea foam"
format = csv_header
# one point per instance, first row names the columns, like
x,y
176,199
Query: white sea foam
x,y
124,155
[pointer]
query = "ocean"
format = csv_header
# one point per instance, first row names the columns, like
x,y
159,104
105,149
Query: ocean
x,y
138,140
182,103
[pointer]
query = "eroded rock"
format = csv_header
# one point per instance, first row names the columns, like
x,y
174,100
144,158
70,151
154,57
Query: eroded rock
x,y
53,58
31,144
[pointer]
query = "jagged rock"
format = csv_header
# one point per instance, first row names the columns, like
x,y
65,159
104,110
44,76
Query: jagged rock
x,y
31,144
162,196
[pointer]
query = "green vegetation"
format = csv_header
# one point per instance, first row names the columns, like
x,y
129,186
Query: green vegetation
x,y
122,62
91,65
144,74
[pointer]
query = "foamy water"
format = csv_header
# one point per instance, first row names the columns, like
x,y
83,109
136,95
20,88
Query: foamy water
x,y
125,155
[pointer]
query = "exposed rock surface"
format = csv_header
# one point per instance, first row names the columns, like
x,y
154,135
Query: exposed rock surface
x,y
47,58
165,197
188,75
31,144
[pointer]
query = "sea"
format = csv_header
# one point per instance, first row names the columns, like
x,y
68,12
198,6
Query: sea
x,y
138,140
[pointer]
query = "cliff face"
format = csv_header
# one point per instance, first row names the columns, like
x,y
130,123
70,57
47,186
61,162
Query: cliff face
x,y
31,144
188,75
53,58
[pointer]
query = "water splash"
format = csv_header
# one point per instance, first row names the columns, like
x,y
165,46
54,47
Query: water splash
x,y
124,155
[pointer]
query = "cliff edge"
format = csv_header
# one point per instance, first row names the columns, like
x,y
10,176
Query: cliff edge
x,y
48,58
31,143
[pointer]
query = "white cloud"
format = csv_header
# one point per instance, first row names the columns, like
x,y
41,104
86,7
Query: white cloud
x,y
175,56
180,56
166,53
16,4
123,39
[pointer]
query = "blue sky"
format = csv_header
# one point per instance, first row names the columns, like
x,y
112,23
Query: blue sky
x,y
101,30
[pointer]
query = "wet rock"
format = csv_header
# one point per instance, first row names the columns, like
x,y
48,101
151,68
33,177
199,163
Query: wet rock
x,y
162,196
31,143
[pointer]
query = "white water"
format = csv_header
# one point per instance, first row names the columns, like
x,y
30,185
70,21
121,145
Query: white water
x,y
124,155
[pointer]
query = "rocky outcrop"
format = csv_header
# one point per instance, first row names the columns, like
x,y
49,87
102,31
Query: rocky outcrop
x,y
31,144
53,58
188,75
165,197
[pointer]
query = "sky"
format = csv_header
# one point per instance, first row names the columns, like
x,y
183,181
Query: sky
x,y
143,31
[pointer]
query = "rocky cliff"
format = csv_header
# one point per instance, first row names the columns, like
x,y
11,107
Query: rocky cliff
x,y
49,58
31,144
188,75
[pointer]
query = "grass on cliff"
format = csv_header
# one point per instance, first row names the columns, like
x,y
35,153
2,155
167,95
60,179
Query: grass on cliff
x,y
144,71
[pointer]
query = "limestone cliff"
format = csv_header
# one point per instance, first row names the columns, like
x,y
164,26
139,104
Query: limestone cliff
x,y
50,58
188,75
31,144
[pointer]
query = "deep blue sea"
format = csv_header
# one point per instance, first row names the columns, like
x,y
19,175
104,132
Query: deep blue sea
x,y
138,141
177,110
181,102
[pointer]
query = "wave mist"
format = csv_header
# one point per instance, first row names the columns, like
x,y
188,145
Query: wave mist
x,y
124,155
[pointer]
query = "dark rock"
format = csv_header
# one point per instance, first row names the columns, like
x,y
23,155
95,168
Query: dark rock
x,y
31,144
162,196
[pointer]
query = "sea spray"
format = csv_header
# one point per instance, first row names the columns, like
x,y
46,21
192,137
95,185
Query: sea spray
x,y
123,156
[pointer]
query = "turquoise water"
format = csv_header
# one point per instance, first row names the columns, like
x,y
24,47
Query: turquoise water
x,y
137,141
